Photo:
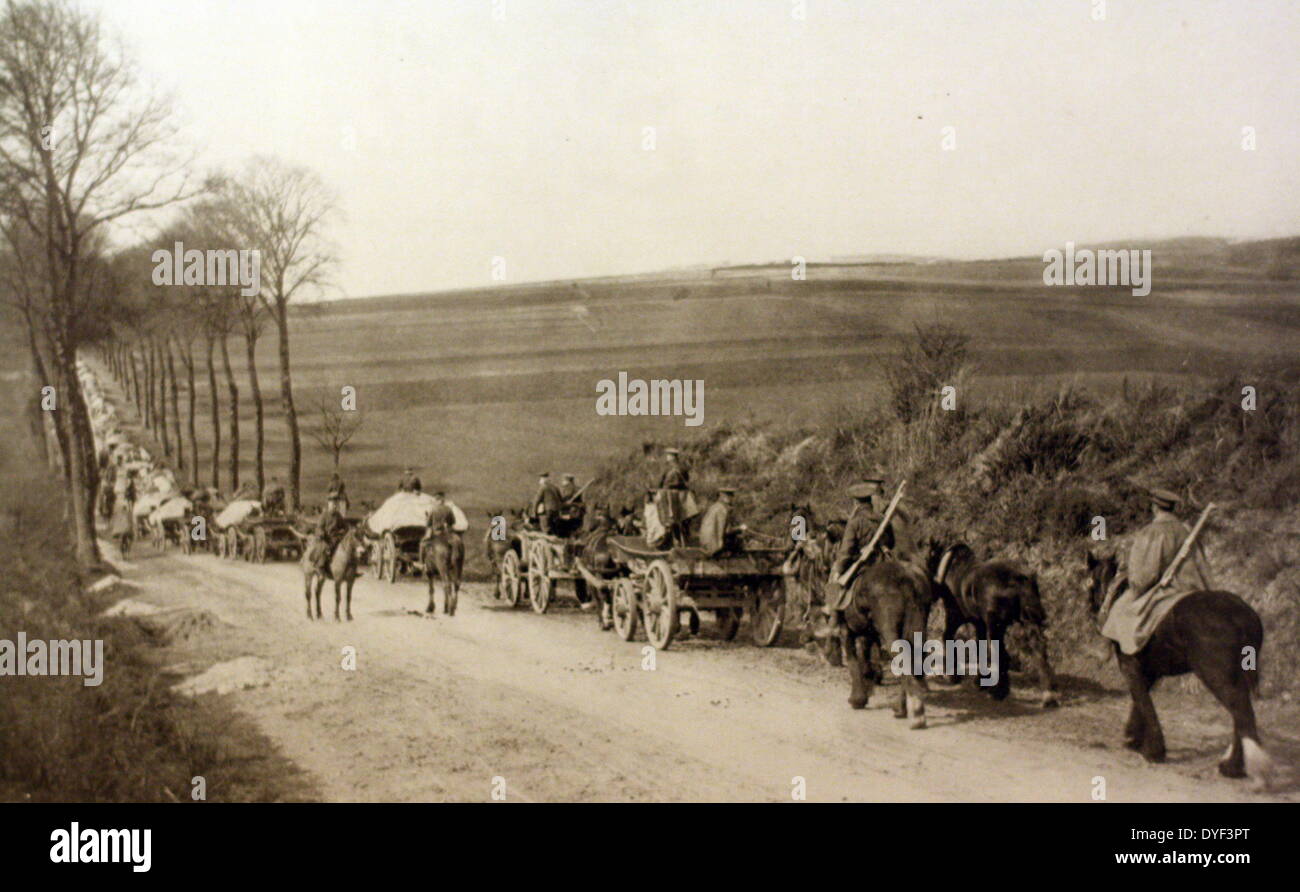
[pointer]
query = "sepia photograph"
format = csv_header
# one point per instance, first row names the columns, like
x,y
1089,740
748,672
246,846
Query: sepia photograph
x,y
579,403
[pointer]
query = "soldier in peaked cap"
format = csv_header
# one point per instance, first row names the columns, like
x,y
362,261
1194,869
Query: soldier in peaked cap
x,y
409,482
674,500
546,504
715,525
868,512
1138,605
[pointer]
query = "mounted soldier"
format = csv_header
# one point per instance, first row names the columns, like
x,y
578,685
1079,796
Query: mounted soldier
x,y
896,540
337,495
329,531
1136,604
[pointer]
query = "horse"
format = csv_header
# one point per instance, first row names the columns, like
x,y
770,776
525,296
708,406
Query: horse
x,y
343,569
992,596
1208,633
443,554
889,602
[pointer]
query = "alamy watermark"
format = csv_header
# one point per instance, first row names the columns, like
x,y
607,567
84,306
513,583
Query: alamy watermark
x,y
634,396
1104,267
936,657
212,267
55,657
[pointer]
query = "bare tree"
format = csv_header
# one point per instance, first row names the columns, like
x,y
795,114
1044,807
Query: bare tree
x,y
335,429
282,210
80,148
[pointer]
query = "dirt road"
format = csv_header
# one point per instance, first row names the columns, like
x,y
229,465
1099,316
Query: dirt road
x,y
450,709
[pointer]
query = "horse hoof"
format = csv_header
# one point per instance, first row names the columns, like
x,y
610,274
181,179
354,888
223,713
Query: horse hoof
x,y
900,713
1050,701
1227,769
858,704
918,724
1155,757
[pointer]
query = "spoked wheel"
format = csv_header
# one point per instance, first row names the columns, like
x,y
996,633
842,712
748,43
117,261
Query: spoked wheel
x,y
259,546
232,544
661,617
623,607
388,571
540,585
765,620
221,545
511,581
728,622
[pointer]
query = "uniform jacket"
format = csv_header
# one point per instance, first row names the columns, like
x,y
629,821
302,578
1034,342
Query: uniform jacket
x,y
547,499
713,528
1138,610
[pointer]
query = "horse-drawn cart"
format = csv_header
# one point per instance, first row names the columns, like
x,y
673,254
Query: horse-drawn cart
x,y
397,551
655,587
542,560
272,538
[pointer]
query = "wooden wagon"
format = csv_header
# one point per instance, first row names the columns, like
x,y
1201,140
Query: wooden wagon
x,y
396,552
541,562
655,587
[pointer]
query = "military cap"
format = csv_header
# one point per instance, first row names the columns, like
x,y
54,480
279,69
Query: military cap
x,y
866,489
570,476
1165,498
672,450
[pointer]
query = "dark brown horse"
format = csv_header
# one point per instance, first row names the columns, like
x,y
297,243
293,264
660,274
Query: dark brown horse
x,y
992,596
1213,634
890,601
443,555
343,568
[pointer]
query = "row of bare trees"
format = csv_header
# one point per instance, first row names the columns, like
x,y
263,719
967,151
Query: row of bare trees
x,y
86,148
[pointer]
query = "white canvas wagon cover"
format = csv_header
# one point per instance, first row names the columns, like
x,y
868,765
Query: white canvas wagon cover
x,y
409,509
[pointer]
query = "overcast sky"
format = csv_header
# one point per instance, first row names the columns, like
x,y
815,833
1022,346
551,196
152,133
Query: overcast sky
x,y
459,130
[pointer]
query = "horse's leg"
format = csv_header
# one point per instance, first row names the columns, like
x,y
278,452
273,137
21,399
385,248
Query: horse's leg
x,y
859,677
998,664
307,591
1046,678
1152,743
952,621
352,579
338,597
1231,688
431,607
320,584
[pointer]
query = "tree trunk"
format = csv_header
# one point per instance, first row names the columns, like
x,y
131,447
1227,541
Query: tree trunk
x,y
187,359
135,386
233,389
255,388
215,415
176,409
162,402
148,388
83,470
290,413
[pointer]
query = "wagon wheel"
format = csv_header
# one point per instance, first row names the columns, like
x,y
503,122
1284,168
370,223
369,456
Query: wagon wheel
x,y
728,622
510,578
232,543
623,605
765,617
221,545
186,543
540,585
259,546
388,559
661,618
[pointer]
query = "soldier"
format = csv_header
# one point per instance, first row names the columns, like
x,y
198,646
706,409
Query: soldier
x,y
569,489
716,535
572,510
409,482
337,495
273,497
862,525
675,502
330,528
440,518
546,504
1133,615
